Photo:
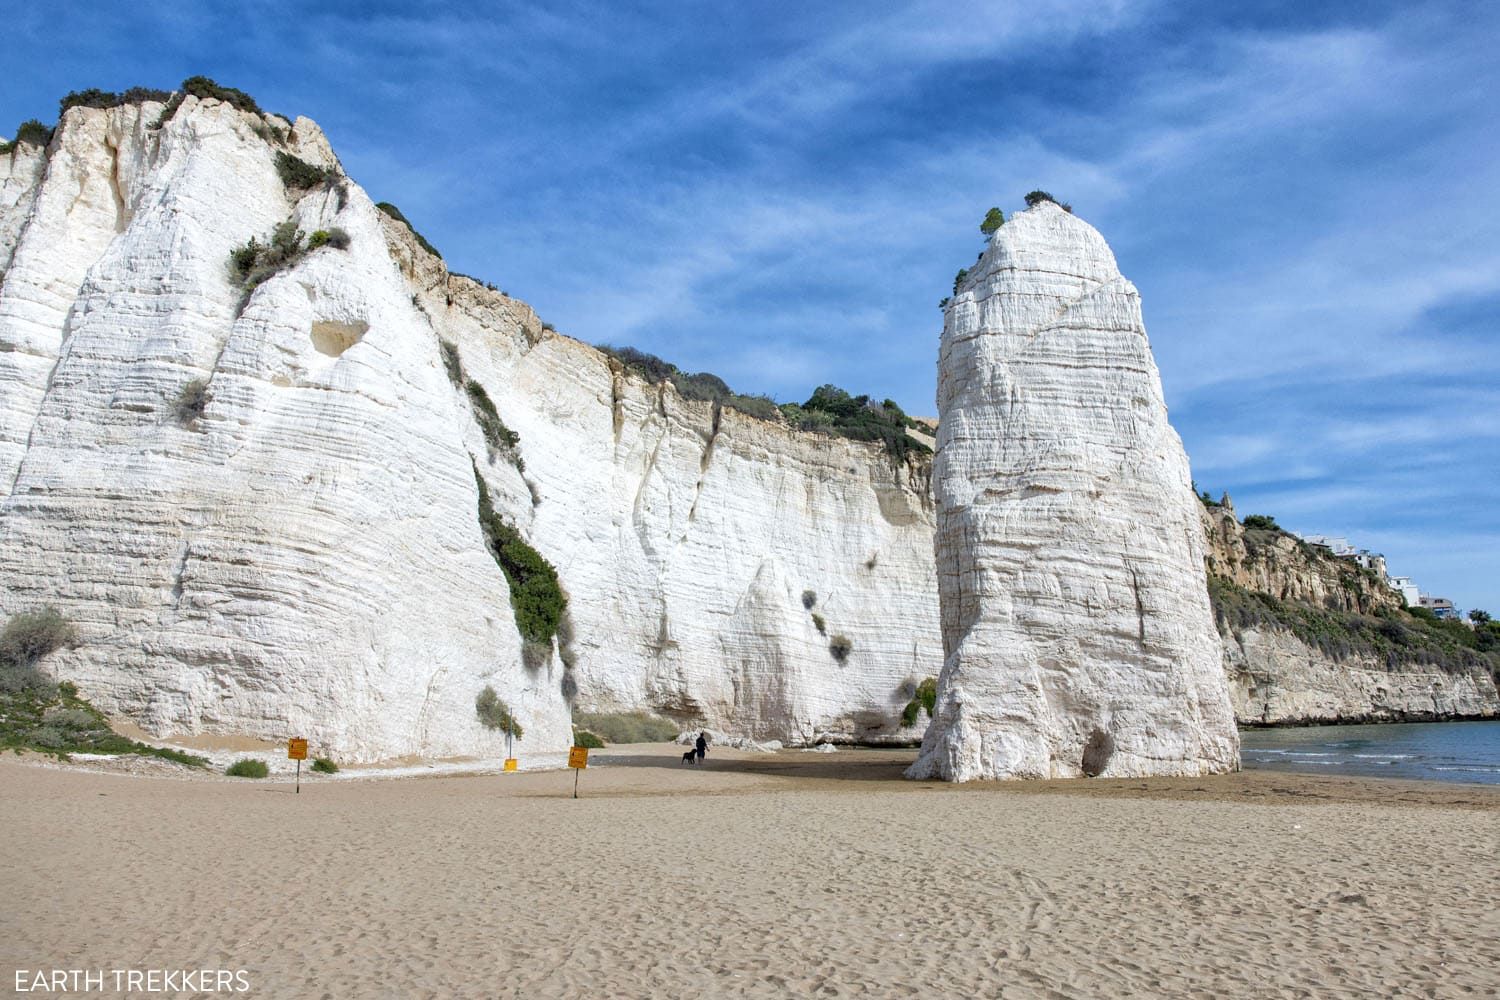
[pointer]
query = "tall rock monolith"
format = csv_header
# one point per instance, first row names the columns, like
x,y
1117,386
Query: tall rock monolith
x,y
1077,633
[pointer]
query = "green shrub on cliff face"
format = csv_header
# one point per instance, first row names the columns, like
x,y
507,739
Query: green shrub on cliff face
x,y
993,220
299,174
496,714
499,437
1260,522
840,646
96,98
627,727
1397,637
924,698
699,386
205,89
335,238
254,262
31,635
395,213
191,401
536,595
452,363
831,410
36,714
648,366
31,132
1035,198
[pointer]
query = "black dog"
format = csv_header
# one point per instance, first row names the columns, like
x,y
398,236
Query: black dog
x,y
690,757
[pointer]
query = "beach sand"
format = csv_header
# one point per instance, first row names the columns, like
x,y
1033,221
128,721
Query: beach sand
x,y
793,874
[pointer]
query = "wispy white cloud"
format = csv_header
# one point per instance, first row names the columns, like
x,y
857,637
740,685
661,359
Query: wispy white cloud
x,y
781,194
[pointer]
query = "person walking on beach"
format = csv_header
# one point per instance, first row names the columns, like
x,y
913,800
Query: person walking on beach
x,y
702,746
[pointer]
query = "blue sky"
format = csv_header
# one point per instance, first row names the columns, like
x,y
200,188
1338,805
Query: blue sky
x,y
1307,196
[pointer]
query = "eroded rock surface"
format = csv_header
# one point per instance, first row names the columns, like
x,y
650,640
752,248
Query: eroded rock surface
x,y
1075,615
304,555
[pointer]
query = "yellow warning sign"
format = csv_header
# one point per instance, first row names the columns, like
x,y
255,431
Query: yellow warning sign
x,y
296,749
510,763
578,757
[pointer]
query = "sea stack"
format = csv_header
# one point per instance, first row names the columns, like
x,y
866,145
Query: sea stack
x,y
1077,634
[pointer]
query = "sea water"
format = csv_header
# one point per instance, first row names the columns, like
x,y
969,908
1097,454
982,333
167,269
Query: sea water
x,y
1428,751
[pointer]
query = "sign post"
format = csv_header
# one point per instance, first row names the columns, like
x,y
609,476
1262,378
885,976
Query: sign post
x,y
578,759
296,749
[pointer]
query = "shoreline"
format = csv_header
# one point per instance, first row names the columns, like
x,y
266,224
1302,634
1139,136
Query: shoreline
x,y
845,770
1367,720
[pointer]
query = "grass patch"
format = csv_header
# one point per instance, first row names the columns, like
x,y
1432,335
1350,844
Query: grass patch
x,y
496,714
584,738
820,623
395,213
322,765
36,714
627,727
54,719
247,767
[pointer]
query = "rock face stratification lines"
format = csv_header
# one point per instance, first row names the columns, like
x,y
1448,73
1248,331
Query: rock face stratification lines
x,y
256,501
1077,633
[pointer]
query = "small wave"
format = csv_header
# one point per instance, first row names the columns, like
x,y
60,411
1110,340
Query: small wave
x,y
1477,769
1385,756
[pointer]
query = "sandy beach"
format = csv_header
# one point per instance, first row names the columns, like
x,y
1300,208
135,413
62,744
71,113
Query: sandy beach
x,y
793,874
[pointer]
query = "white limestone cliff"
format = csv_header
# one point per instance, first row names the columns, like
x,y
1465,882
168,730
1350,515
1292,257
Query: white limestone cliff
x,y
1275,678
305,557
686,536
1075,615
